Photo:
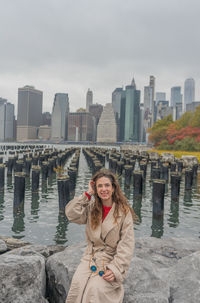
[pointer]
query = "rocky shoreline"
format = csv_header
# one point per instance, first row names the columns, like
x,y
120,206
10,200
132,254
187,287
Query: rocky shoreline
x,y
162,271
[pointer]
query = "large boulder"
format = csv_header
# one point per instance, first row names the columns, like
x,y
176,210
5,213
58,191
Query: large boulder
x,y
22,278
60,269
151,278
3,247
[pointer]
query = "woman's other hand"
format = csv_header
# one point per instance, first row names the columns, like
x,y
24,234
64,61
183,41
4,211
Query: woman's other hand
x,y
109,276
90,190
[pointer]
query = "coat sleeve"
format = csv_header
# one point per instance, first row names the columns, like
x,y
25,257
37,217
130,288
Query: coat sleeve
x,y
77,209
124,252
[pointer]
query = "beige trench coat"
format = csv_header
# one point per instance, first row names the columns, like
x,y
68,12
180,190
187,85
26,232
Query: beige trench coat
x,y
111,244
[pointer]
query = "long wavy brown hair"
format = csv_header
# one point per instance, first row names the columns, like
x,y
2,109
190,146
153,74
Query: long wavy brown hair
x,y
121,202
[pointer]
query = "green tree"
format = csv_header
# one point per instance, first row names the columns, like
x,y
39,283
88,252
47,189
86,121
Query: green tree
x,y
196,118
158,131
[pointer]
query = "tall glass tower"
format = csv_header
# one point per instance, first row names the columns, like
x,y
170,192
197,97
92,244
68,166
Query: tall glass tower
x,y
132,114
189,92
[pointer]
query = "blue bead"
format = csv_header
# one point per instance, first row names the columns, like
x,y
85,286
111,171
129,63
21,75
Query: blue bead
x,y
101,273
93,268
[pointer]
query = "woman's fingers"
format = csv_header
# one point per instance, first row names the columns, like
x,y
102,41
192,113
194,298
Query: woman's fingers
x,y
109,276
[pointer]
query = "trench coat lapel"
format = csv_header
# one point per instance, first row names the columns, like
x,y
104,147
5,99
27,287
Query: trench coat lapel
x,y
109,223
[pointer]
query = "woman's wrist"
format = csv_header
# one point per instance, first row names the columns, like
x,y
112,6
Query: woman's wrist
x,y
87,193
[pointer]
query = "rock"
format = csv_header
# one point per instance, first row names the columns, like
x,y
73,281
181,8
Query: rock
x,y
60,269
44,250
154,275
184,280
189,161
3,246
22,278
13,243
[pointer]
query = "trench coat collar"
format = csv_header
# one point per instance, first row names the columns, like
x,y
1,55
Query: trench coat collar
x,y
108,222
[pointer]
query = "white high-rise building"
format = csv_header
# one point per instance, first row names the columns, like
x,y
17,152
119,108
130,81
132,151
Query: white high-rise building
x,y
189,92
59,119
6,120
89,99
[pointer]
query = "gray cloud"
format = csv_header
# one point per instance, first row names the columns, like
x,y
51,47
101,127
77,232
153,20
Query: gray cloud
x,y
70,45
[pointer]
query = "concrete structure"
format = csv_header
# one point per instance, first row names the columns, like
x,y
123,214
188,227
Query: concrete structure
x,y
189,92
132,114
89,99
29,112
44,132
80,126
7,119
107,128
59,119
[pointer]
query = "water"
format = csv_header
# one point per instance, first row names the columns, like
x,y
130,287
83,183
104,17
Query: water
x,y
40,222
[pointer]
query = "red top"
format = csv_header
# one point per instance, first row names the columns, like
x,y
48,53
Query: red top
x,y
106,210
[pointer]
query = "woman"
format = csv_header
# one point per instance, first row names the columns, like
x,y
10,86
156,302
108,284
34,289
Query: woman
x,y
110,237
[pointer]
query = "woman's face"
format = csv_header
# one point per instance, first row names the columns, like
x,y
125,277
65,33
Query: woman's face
x,y
104,189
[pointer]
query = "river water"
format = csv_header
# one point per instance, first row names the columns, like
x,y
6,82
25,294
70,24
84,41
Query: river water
x,y
41,223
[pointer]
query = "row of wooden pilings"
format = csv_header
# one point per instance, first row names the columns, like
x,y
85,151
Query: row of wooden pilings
x,y
46,163
67,182
161,172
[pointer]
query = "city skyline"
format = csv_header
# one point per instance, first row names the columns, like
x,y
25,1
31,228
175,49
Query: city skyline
x,y
69,47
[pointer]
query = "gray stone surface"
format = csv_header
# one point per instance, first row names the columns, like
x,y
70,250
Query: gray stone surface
x,y
45,251
60,269
3,246
22,278
162,271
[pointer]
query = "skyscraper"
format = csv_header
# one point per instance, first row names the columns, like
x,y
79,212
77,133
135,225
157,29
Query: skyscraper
x,y
59,119
89,99
29,112
132,114
6,120
160,96
176,96
116,103
189,92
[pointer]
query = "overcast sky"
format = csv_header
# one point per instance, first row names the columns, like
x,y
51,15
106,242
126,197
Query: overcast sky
x,y
71,45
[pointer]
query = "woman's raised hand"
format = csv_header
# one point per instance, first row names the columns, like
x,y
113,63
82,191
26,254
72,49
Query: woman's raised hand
x,y
90,190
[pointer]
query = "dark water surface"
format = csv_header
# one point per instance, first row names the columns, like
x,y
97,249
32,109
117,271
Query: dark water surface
x,y
40,221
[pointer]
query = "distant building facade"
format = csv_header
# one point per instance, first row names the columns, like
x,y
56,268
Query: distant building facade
x,y
89,99
116,103
46,118
107,127
189,92
80,127
192,106
59,118
132,114
176,96
160,96
7,120
29,112
96,111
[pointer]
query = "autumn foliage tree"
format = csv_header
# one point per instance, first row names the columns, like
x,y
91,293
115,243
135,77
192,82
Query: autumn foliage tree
x,y
183,134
